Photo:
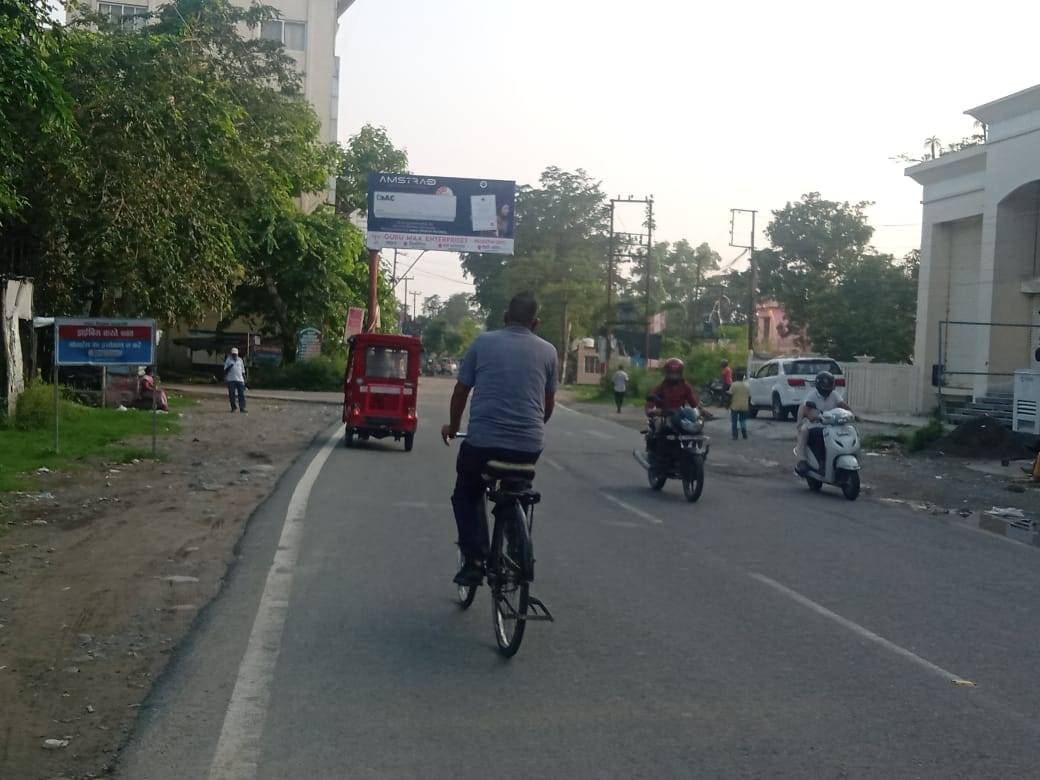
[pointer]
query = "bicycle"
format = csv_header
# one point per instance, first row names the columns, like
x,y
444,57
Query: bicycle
x,y
510,566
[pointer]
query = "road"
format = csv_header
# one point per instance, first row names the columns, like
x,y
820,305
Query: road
x,y
762,632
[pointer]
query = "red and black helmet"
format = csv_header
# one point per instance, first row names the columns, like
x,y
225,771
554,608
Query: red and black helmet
x,y
673,369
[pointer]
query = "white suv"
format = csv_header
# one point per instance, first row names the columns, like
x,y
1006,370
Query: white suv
x,y
782,384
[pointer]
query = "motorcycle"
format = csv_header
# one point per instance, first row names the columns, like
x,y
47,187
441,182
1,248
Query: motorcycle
x,y
714,393
833,453
676,448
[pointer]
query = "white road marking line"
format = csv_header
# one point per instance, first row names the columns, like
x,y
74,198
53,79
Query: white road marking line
x,y
598,434
634,510
866,633
554,464
238,749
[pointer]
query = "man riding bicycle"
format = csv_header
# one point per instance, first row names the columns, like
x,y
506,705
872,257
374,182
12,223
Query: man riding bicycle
x,y
512,374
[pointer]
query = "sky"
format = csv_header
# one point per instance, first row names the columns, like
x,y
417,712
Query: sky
x,y
704,106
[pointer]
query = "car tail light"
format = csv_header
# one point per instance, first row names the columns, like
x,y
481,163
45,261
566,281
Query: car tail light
x,y
840,381
410,412
795,382
355,410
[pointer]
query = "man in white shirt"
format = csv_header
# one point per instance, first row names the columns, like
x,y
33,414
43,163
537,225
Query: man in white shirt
x,y
235,376
620,387
822,398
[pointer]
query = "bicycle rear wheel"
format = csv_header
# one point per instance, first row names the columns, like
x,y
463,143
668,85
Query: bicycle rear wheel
x,y
510,553
466,593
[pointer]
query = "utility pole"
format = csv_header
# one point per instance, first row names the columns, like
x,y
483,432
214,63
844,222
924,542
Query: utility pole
x,y
393,275
627,246
649,269
405,279
752,316
415,311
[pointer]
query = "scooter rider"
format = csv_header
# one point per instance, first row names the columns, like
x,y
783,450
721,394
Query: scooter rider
x,y
822,398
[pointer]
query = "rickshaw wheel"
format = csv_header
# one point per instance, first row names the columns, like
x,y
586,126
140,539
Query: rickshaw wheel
x,y
409,441
348,438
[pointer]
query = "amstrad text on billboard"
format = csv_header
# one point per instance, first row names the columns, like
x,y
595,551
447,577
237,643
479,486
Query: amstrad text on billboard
x,y
406,211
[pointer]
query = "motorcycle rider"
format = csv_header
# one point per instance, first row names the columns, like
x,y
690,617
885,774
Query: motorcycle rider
x,y
822,398
670,396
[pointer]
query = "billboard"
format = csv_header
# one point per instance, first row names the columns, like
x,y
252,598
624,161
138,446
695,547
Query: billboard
x,y
406,211
104,342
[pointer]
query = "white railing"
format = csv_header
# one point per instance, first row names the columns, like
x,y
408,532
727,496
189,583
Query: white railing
x,y
893,388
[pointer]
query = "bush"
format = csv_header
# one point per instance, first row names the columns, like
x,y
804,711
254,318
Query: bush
x,y
320,373
922,437
35,408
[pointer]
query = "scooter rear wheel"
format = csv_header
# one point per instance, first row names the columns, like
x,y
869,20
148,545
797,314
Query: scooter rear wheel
x,y
814,484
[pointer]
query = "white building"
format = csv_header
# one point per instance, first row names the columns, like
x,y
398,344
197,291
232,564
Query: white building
x,y
980,254
307,28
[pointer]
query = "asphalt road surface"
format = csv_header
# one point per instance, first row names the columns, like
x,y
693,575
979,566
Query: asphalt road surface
x,y
762,632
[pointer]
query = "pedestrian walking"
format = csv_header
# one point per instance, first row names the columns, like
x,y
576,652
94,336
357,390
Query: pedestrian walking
x,y
235,376
739,403
620,387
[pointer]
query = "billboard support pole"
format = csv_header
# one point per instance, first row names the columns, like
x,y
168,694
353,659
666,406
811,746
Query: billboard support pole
x,y
155,420
373,287
104,386
56,400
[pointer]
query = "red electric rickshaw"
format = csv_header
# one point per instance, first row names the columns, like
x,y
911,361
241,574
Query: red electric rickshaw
x,y
381,388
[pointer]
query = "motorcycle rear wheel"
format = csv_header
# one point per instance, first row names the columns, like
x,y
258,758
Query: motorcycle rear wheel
x,y
656,480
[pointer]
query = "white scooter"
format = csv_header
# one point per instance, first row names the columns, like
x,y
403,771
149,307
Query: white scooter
x,y
833,453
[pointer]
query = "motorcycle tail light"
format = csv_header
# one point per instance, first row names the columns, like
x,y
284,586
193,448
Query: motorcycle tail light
x,y
795,382
840,382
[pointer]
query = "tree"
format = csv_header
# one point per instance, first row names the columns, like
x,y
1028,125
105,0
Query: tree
x,y
838,293
871,311
370,150
307,274
561,247
192,143
934,145
32,99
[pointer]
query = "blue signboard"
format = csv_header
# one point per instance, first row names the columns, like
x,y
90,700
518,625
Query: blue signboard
x,y
104,342
406,211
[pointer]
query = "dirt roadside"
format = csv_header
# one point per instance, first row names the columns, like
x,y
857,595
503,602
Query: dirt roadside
x,y
103,571
959,489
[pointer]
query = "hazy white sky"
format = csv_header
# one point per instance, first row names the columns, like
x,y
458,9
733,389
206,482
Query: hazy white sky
x,y
707,106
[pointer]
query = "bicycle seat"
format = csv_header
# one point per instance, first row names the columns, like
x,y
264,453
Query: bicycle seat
x,y
512,472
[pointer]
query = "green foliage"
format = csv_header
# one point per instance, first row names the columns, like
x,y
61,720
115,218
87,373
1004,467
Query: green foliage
x,y
561,247
448,327
32,100
191,143
925,435
370,150
34,409
324,373
837,292
86,432
309,272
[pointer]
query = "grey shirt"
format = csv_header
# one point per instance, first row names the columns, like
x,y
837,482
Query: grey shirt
x,y
511,371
